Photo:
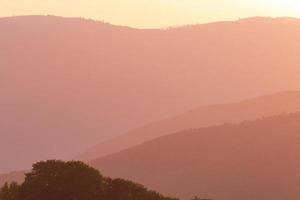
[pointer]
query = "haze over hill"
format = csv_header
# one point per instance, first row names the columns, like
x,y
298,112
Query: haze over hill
x,y
254,160
67,84
283,102
269,105
250,109
12,177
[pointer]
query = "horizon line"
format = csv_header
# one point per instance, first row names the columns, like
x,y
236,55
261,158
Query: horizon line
x,y
154,28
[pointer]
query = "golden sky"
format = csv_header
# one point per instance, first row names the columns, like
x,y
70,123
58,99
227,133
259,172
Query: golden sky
x,y
153,13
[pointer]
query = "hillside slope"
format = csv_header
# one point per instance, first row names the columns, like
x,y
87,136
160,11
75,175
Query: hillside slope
x,y
250,109
12,177
283,102
67,84
251,161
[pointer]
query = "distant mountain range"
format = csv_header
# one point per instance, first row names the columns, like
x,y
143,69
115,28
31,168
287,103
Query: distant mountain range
x,y
254,160
224,162
68,84
250,109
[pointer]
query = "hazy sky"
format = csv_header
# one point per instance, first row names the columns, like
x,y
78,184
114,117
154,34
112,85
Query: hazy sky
x,y
153,13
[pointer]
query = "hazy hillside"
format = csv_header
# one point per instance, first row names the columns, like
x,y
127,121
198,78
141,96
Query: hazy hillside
x,y
284,102
13,176
251,161
67,84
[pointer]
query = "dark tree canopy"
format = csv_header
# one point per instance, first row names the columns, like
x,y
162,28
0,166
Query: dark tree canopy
x,y
120,189
54,180
198,198
58,180
9,191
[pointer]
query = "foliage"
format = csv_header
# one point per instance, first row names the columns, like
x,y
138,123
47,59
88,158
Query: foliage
x,y
120,189
58,180
54,180
9,191
198,198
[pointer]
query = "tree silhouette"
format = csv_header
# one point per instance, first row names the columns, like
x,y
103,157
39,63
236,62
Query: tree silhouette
x,y
120,189
198,198
53,180
58,180
9,191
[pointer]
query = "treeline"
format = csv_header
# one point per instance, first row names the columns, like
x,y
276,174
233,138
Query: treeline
x,y
73,180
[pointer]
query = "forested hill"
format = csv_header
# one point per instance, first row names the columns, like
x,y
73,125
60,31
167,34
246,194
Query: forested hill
x,y
254,160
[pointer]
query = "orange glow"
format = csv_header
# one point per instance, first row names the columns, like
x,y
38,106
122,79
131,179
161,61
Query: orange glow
x,y
155,13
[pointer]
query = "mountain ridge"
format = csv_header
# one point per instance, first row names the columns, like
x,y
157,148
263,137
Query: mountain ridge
x,y
166,28
253,160
210,115
72,83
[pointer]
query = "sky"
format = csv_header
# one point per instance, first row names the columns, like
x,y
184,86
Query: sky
x,y
153,13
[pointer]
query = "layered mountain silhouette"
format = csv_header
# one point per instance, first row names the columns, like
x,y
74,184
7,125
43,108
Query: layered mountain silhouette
x,y
250,109
68,84
253,160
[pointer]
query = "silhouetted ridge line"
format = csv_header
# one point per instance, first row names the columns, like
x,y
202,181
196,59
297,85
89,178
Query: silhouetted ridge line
x,y
250,161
